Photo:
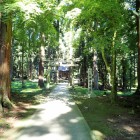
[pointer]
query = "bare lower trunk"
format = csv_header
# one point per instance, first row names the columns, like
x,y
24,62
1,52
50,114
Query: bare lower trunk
x,y
41,73
95,71
1,108
124,70
5,53
107,68
113,79
22,69
138,37
30,68
41,68
113,72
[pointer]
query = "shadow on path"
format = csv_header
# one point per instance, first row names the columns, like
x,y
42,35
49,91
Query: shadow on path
x,y
57,119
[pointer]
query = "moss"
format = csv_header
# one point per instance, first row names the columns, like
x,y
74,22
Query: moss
x,y
1,108
7,103
100,114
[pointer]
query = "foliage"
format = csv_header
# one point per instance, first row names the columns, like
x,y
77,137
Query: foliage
x,y
31,93
80,27
98,112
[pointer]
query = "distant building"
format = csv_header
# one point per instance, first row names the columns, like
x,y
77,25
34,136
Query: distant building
x,y
63,72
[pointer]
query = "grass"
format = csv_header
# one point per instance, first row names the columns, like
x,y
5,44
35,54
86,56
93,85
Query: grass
x,y
31,93
106,120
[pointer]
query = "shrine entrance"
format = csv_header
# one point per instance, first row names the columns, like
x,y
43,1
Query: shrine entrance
x,y
63,72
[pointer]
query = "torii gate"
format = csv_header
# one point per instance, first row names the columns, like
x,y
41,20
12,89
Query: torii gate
x,y
68,63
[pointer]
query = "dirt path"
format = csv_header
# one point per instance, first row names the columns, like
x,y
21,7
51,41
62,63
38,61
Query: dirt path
x,y
57,119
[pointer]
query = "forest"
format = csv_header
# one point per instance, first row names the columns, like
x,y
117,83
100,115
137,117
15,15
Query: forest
x,y
39,37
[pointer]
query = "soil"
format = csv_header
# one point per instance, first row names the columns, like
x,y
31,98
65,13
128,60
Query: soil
x,y
21,111
128,127
125,124
9,117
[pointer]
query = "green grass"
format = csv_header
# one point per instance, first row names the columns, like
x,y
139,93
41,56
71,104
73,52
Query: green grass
x,y
4,124
31,93
84,91
120,93
16,86
23,98
99,113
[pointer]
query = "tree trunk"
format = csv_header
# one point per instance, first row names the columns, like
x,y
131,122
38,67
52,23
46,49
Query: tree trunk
x,y
41,68
22,69
124,70
135,65
30,68
85,80
138,37
5,53
113,72
95,70
11,66
71,76
107,68
131,80
1,107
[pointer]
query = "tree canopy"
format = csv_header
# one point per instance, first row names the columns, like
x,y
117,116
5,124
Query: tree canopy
x,y
100,34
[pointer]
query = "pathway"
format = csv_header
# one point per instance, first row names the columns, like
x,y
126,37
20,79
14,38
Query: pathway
x,y
57,119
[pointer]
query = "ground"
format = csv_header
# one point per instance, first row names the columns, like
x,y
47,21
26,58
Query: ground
x,y
107,121
23,99
21,111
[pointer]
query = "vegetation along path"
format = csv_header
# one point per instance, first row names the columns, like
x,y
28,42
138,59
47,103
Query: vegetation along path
x,y
57,119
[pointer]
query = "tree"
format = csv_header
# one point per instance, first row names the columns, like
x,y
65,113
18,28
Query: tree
x,y
138,37
107,36
41,63
5,52
29,11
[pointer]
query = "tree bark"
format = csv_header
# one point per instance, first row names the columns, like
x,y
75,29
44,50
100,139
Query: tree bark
x,y
30,68
41,68
113,72
22,69
108,69
5,53
71,76
85,80
138,38
95,70
124,70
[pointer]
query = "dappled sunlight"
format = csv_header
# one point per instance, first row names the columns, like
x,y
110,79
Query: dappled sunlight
x,y
4,68
99,135
52,112
128,128
124,93
29,87
30,90
127,125
111,120
73,13
56,119
75,120
29,8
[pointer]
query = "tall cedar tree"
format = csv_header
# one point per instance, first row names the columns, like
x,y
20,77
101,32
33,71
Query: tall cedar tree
x,y
5,51
138,36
